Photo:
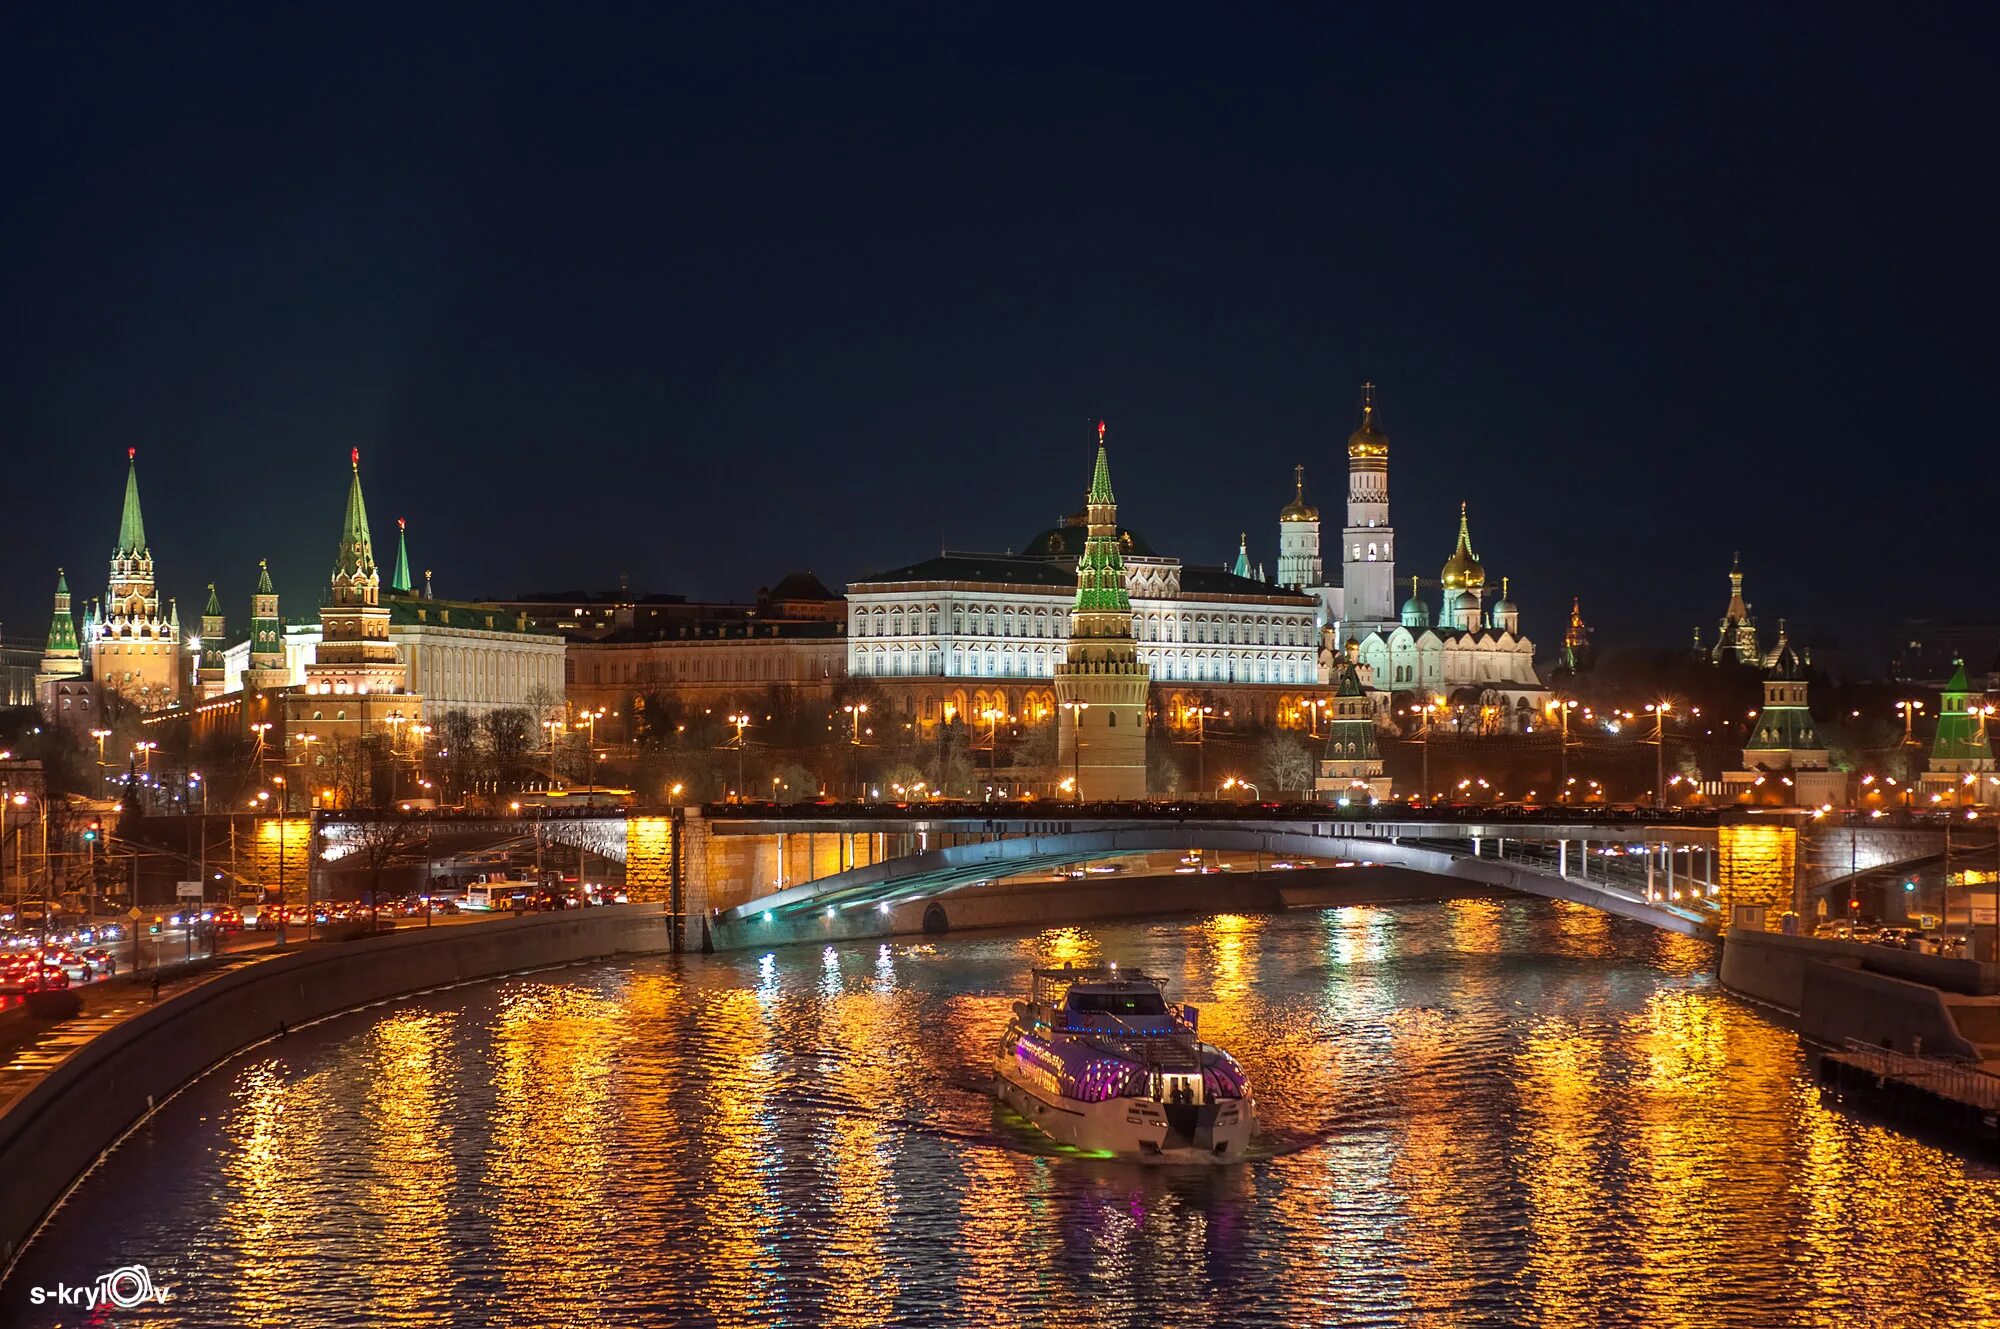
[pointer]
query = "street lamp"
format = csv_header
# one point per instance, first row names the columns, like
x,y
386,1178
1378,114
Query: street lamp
x,y
993,717
1199,714
1560,708
1659,711
741,722
1429,709
855,710
1076,710
1233,783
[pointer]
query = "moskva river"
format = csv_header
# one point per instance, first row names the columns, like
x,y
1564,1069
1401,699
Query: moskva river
x,y
1490,1113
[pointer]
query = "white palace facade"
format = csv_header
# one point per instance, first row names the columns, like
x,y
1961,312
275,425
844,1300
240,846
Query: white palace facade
x,y
964,632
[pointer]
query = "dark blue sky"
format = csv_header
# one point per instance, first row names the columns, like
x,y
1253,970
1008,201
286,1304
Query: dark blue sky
x,y
711,293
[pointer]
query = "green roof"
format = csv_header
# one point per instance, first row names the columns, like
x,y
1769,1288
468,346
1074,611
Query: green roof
x,y
1961,735
131,523
357,551
62,627
399,581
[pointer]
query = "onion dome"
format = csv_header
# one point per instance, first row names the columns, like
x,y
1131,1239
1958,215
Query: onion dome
x,y
1506,605
1416,614
1298,509
1368,444
1462,571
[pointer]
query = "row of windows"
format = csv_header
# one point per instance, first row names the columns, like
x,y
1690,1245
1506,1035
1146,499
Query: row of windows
x,y
899,663
705,667
1199,629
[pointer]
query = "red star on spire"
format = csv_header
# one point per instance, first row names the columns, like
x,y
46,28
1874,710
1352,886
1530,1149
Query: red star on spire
x,y
354,456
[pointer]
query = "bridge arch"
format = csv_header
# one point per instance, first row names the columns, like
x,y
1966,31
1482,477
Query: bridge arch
x,y
839,898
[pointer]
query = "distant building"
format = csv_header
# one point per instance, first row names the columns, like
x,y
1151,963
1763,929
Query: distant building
x,y
1961,767
1785,761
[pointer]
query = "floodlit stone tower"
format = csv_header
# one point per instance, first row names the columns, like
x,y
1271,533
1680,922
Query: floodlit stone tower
x,y
355,654
133,650
1368,552
267,636
211,676
1101,685
1298,539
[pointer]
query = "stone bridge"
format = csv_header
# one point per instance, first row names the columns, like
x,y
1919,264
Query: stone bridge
x,y
755,874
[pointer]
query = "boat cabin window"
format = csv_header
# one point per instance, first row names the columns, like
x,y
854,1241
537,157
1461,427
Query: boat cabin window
x,y
1118,1003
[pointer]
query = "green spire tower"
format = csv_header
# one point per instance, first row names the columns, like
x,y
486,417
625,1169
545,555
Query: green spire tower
x,y
211,675
1783,736
1962,745
267,636
131,521
1101,685
62,658
399,580
1350,768
355,579
62,627
355,654
1242,568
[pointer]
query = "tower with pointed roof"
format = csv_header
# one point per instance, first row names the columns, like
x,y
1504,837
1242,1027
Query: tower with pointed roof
x,y
62,657
1961,767
64,695
1368,553
267,669
1101,684
1464,581
1785,759
132,650
399,580
1298,539
1576,638
1736,635
1350,766
356,688
1242,566
211,677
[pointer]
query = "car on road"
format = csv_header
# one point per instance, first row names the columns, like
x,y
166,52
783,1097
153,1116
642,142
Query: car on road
x,y
27,973
102,961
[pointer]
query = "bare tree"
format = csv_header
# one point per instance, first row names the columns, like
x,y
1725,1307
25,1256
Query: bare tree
x,y
1286,763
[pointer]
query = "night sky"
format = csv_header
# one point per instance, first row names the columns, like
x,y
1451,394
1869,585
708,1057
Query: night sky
x,y
710,294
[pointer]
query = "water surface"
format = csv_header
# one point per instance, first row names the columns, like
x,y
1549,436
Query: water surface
x,y
1477,1112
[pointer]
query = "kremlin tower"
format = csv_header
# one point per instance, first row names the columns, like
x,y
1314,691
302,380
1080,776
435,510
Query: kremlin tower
x,y
1100,685
132,650
1368,555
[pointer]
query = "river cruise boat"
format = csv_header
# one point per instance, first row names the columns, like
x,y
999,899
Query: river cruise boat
x,y
1097,1059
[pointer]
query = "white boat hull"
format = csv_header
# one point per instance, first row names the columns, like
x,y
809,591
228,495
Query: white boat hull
x,y
1128,1127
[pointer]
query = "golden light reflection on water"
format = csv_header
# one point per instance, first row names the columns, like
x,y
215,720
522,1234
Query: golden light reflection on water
x,y
865,1037
1559,1074
1478,1112
410,1177
549,1165
276,1131
739,1223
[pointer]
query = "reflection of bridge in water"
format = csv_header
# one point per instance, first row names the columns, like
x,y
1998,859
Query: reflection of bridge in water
x,y
757,875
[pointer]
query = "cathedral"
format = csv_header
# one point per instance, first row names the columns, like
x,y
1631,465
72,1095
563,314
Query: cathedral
x,y
1469,650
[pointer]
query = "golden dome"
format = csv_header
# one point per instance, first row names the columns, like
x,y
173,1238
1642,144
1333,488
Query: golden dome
x,y
1462,571
1298,509
1368,442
